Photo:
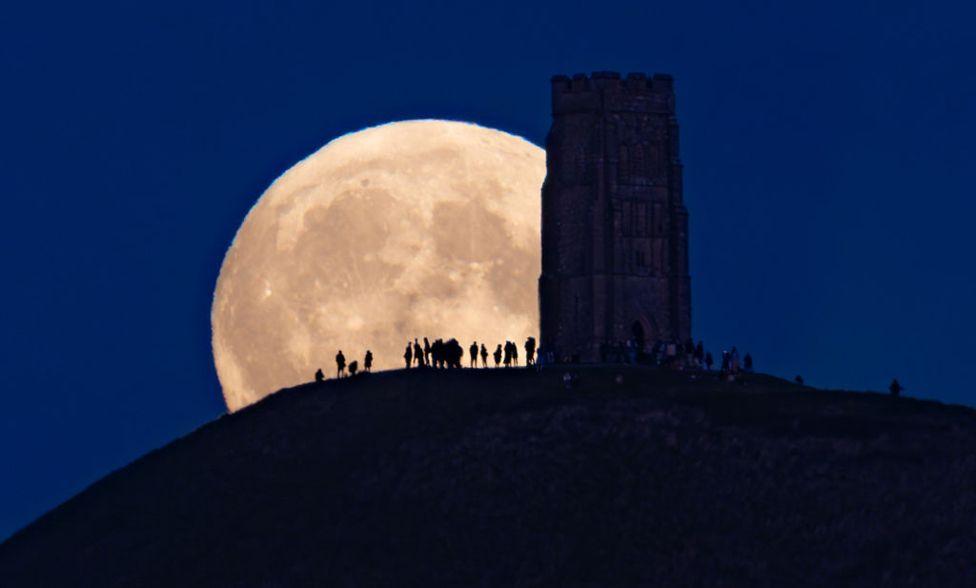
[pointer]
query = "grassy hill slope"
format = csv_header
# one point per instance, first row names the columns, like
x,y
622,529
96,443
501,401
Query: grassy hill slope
x,y
503,477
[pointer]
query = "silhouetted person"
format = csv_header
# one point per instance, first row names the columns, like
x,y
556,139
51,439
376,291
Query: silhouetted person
x,y
453,353
408,354
709,360
498,354
319,376
508,354
426,351
798,379
353,368
895,388
514,353
368,361
530,351
340,364
747,362
418,353
484,356
437,353
473,352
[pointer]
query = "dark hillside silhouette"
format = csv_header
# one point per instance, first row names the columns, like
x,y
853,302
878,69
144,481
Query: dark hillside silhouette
x,y
504,477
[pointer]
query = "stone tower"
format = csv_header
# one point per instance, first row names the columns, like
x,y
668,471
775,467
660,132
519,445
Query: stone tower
x,y
614,226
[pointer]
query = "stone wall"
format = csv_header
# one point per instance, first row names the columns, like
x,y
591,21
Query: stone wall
x,y
614,225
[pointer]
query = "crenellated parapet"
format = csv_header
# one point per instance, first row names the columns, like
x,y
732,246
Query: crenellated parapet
x,y
606,91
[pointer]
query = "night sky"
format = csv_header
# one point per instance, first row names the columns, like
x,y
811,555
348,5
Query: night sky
x,y
828,159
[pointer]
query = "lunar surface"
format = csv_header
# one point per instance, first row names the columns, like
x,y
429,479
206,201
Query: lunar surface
x,y
406,230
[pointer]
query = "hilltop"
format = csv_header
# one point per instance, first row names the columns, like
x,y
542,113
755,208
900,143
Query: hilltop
x,y
503,477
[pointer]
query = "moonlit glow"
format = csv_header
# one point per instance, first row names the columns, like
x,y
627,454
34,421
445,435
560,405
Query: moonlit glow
x,y
399,231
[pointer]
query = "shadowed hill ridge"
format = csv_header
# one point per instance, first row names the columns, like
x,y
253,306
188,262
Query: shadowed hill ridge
x,y
502,477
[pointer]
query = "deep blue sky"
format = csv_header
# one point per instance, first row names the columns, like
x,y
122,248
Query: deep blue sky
x,y
829,168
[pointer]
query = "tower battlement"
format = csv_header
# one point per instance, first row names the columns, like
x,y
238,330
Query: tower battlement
x,y
607,91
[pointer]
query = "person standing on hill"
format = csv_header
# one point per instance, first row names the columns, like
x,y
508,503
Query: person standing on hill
x,y
530,351
473,351
514,353
368,361
895,388
426,352
340,364
498,354
418,353
408,354
437,353
484,356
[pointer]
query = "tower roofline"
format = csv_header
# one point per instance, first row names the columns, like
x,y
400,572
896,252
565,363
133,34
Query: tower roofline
x,y
606,91
633,79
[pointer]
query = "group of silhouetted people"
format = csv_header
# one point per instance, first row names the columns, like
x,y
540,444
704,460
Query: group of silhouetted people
x,y
669,354
733,366
353,367
439,354
689,355
449,354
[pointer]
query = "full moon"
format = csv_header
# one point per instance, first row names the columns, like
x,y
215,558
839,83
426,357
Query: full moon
x,y
396,232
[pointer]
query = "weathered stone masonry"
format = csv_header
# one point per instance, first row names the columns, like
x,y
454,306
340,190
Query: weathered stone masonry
x,y
614,226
